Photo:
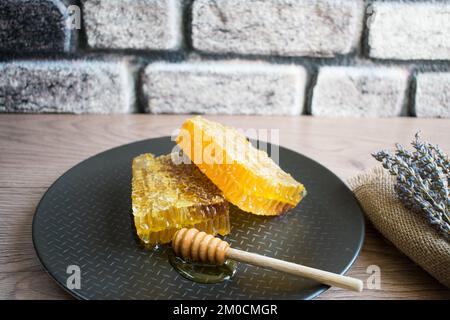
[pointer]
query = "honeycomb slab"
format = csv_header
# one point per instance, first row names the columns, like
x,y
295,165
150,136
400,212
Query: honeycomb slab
x,y
168,195
248,177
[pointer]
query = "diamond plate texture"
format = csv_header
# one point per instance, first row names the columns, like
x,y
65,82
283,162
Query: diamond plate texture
x,y
85,219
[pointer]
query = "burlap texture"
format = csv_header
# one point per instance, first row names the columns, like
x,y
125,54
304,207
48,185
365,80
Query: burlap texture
x,y
408,231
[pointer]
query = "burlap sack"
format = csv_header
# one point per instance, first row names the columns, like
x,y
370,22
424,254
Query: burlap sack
x,y
408,231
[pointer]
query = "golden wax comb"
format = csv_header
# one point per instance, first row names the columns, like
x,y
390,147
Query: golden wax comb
x,y
247,176
167,196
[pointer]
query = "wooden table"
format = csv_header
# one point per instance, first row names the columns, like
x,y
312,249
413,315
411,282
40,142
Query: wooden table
x,y
36,149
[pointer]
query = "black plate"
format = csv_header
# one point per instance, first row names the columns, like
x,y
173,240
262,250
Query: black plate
x,y
84,219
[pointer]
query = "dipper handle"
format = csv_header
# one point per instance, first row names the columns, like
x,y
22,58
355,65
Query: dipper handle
x,y
194,245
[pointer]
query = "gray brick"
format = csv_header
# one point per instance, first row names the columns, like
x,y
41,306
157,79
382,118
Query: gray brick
x,y
231,87
133,24
433,95
280,27
360,92
418,30
66,87
28,26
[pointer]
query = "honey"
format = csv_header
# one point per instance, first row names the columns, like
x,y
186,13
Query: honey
x,y
203,272
168,195
248,177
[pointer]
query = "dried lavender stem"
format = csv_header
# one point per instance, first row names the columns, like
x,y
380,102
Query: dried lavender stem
x,y
422,180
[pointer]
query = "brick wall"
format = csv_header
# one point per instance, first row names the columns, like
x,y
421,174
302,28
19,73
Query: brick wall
x,y
333,58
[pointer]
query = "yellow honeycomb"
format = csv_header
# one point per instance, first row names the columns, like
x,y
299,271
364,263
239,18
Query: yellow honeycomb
x,y
168,195
248,177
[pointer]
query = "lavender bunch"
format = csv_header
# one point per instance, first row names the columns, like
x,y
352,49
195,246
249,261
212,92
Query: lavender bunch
x,y
422,180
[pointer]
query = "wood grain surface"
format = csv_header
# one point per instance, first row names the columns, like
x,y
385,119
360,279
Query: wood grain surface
x,y
36,149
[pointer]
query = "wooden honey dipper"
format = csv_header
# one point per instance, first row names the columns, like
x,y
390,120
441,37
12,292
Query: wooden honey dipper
x,y
194,245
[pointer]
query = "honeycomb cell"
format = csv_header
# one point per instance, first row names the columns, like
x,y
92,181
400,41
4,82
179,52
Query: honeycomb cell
x,y
248,177
168,195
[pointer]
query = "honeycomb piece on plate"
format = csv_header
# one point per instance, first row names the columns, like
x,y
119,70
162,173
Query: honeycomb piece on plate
x,y
248,177
168,195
